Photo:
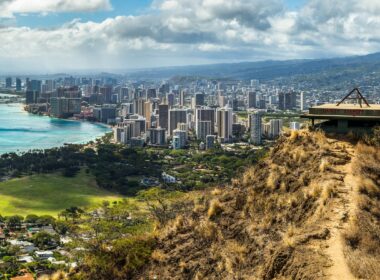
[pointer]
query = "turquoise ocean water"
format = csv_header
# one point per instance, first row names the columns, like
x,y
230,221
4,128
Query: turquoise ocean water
x,y
21,131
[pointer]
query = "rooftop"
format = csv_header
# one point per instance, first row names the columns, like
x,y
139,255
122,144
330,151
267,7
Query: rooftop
x,y
348,107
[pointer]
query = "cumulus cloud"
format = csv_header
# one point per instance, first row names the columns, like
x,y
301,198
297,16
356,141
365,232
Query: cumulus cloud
x,y
8,8
197,31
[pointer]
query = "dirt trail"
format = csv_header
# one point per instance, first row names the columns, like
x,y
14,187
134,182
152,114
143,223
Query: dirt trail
x,y
339,269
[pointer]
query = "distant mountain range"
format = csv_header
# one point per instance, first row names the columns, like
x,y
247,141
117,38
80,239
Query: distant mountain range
x,y
269,70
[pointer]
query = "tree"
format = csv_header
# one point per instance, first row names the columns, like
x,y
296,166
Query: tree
x,y
14,222
11,265
126,257
72,212
44,240
45,220
31,219
62,227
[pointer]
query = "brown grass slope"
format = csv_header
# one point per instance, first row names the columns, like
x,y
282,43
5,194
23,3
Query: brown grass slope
x,y
278,221
362,235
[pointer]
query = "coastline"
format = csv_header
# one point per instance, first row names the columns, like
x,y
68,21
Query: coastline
x,y
67,119
57,137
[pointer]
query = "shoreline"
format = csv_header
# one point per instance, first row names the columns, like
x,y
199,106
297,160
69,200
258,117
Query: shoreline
x,y
66,119
85,140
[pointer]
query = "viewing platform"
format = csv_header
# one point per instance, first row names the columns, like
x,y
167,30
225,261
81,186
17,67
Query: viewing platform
x,y
358,117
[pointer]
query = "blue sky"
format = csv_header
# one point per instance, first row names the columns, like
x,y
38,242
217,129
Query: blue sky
x,y
119,8
65,35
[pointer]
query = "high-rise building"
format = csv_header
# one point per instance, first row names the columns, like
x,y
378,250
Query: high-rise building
x,y
252,99
224,124
126,109
238,130
124,94
31,96
222,101
8,82
148,112
125,132
203,129
34,85
164,88
18,84
157,136
182,97
163,116
179,139
50,85
139,106
302,101
262,103
199,100
287,100
235,104
137,142
151,93
64,107
255,125
107,92
170,99
275,128
176,116
107,113
205,114
266,129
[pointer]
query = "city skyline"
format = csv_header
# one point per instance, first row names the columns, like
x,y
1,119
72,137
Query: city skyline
x,y
66,35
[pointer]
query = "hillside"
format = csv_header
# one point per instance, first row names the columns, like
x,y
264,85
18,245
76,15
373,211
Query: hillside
x,y
322,70
310,210
50,194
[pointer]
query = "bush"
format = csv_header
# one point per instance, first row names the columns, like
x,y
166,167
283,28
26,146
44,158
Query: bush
x,y
127,256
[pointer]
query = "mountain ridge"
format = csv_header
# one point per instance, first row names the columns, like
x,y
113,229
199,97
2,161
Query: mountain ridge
x,y
263,70
296,215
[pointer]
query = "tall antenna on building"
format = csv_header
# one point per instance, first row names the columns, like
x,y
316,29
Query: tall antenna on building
x,y
355,94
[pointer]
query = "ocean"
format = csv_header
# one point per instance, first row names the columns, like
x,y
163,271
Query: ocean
x,y
21,131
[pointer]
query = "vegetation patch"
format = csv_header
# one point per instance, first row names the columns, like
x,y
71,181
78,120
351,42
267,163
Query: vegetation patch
x,y
49,194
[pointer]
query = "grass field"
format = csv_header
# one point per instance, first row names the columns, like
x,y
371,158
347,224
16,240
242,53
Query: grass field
x,y
50,194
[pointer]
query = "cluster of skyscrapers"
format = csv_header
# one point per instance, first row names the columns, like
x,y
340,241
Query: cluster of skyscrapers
x,y
164,113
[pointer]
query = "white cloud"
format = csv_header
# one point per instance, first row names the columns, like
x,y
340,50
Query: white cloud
x,y
8,8
195,31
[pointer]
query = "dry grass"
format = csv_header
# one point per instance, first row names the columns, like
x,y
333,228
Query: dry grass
x,y
289,236
158,256
294,135
233,255
315,190
362,249
207,230
368,187
215,209
216,191
324,165
328,192
59,275
248,177
262,222
178,222
273,180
